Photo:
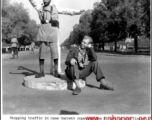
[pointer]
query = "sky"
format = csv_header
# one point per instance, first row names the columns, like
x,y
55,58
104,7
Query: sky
x,y
66,22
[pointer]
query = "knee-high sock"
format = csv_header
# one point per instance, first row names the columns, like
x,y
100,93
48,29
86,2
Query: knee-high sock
x,y
56,64
41,63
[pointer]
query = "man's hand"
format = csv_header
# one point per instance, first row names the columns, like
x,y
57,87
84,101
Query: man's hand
x,y
86,63
89,46
73,61
82,65
81,11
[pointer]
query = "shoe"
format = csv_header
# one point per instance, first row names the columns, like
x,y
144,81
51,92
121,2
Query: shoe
x,y
56,74
106,87
76,91
39,75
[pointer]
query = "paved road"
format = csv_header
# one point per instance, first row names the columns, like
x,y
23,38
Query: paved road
x,y
129,75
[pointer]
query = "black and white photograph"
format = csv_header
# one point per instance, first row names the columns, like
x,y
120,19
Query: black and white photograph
x,y
75,57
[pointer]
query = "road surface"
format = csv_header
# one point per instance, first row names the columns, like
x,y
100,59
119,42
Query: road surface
x,y
129,75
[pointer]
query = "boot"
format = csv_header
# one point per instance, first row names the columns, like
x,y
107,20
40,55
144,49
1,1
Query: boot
x,y
56,74
41,74
76,91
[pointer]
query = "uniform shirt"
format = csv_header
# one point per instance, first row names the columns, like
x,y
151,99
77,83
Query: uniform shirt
x,y
51,12
48,13
38,6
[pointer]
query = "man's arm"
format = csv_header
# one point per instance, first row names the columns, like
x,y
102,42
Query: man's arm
x,y
36,4
91,54
69,11
40,15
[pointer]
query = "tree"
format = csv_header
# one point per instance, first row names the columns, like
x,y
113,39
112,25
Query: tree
x,y
6,29
31,28
108,23
134,14
16,21
19,17
97,25
146,17
114,20
5,4
25,39
81,29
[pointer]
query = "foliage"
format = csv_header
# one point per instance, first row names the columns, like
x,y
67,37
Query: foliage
x,y
5,4
79,30
113,21
16,21
146,17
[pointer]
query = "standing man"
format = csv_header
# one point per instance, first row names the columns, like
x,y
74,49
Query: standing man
x,y
14,45
48,33
81,62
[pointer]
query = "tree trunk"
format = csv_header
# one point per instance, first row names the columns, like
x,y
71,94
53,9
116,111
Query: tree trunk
x,y
135,44
115,50
103,44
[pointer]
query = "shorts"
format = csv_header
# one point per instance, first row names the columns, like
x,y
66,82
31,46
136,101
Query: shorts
x,y
53,50
47,33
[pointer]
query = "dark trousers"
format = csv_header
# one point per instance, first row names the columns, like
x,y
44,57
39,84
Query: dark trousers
x,y
73,72
15,50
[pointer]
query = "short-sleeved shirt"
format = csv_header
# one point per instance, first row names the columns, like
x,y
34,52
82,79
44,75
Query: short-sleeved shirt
x,y
49,12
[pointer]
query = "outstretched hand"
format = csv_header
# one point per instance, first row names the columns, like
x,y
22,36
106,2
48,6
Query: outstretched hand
x,y
81,11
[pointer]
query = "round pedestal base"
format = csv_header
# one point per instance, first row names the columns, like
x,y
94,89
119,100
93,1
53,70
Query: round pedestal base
x,y
49,82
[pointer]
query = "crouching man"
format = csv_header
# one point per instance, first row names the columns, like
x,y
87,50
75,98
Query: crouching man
x,y
81,62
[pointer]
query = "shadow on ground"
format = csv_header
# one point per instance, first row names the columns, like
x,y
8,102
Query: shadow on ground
x,y
91,86
62,76
64,112
31,72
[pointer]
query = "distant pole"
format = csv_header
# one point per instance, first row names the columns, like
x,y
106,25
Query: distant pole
x,y
56,3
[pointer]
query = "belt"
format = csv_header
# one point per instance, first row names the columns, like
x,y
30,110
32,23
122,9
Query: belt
x,y
54,23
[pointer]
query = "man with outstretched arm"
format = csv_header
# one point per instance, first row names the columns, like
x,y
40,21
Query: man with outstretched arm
x,y
48,33
81,62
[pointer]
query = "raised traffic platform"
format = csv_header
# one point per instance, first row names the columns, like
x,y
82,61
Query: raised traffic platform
x,y
49,82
